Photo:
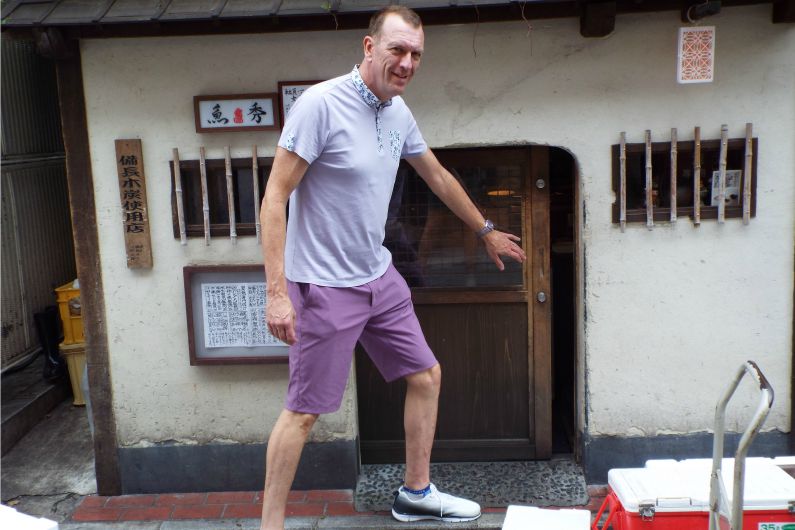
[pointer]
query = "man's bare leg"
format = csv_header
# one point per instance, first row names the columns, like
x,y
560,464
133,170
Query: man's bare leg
x,y
419,422
284,452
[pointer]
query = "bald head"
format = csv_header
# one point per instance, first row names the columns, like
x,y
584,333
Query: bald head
x,y
377,20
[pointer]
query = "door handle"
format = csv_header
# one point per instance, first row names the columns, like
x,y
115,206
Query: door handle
x,y
541,296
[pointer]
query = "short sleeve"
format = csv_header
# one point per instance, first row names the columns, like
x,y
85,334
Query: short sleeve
x,y
306,127
415,144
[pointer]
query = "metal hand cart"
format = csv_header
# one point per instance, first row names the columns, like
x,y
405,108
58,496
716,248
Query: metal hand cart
x,y
686,495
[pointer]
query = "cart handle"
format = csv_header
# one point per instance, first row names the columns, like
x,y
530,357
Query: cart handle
x,y
718,500
613,506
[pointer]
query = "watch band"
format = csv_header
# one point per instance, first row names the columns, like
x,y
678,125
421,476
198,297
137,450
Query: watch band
x,y
487,227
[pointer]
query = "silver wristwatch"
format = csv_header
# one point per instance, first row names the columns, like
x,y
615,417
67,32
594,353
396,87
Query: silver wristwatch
x,y
487,227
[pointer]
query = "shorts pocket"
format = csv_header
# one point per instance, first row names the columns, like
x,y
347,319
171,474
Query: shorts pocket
x,y
305,290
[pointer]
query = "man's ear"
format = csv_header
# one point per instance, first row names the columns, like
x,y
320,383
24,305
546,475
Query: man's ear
x,y
367,45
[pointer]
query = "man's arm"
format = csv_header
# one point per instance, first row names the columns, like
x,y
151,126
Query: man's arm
x,y
286,173
449,190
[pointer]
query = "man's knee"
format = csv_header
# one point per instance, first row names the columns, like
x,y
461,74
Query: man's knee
x,y
430,379
301,420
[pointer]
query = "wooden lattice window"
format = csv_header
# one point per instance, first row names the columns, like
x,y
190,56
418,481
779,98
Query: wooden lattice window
x,y
243,210
661,181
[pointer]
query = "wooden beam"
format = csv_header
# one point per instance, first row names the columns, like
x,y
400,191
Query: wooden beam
x,y
783,11
598,19
71,100
51,44
540,283
271,21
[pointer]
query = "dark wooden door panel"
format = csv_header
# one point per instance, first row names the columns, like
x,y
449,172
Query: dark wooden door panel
x,y
482,349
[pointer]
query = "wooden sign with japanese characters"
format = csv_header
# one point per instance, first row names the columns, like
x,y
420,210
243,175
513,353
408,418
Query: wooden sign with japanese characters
x,y
132,191
239,112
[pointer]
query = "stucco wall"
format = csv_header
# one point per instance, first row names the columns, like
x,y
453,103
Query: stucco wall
x,y
668,314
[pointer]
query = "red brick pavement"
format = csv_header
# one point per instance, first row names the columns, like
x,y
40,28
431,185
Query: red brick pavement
x,y
238,505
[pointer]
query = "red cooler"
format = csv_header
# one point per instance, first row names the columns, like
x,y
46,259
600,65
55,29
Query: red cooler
x,y
652,499
670,495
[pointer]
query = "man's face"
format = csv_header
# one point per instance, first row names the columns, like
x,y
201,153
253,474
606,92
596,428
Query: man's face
x,y
394,56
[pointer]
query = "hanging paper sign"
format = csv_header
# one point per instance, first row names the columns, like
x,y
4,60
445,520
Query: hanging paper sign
x,y
250,112
132,191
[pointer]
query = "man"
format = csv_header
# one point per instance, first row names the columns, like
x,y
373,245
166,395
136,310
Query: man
x,y
330,281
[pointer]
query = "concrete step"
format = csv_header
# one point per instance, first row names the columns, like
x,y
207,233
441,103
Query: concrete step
x,y
489,521
26,399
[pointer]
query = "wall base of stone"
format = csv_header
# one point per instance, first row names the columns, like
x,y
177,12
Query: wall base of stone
x,y
602,453
170,468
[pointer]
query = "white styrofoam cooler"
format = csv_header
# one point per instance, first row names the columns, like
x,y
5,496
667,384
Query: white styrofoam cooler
x,y
529,517
12,519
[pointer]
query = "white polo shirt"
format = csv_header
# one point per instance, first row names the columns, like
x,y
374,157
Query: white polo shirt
x,y
353,143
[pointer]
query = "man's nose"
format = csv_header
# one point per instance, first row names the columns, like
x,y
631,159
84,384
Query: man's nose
x,y
405,61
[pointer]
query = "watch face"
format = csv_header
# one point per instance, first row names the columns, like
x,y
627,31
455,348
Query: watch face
x,y
487,227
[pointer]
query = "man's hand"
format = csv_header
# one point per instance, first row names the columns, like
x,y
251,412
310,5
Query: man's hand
x,y
280,317
503,244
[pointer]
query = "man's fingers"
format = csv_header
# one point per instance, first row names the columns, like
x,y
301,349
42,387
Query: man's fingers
x,y
519,254
290,337
497,261
283,329
284,333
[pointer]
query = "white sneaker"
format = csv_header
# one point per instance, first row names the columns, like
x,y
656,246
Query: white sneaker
x,y
435,505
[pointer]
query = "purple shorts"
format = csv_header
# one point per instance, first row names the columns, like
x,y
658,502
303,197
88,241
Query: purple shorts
x,y
329,321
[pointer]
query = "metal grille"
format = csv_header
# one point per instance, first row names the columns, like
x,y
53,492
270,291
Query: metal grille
x,y
30,117
37,251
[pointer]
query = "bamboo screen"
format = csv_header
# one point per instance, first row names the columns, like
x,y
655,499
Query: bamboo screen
x,y
218,197
660,181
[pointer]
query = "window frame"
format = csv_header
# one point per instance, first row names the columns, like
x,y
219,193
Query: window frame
x,y
685,153
190,169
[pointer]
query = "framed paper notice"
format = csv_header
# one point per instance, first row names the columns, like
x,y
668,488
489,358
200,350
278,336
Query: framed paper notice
x,y
237,112
289,91
226,316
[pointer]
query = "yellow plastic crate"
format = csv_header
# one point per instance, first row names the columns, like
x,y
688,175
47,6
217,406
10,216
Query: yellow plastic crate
x,y
71,317
75,357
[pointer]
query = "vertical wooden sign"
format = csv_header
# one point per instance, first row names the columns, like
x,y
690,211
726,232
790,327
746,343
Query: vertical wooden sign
x,y
132,191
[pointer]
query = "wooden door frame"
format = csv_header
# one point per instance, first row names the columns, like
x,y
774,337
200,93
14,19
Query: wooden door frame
x,y
535,233
538,285
80,180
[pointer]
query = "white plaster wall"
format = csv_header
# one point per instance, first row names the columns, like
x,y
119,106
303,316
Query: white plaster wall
x,y
668,314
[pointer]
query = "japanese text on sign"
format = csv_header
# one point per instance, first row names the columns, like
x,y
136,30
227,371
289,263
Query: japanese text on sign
x,y
132,199
236,113
132,192
290,94
234,315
